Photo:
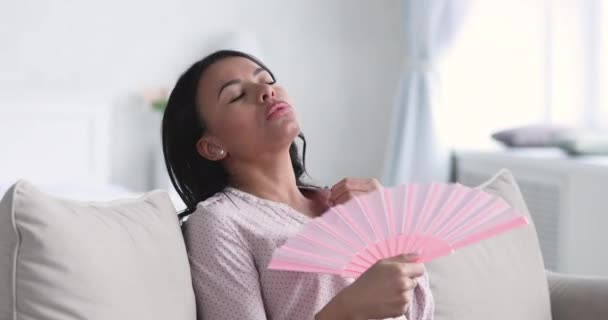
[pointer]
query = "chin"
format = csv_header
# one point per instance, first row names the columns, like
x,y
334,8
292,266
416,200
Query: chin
x,y
292,130
286,133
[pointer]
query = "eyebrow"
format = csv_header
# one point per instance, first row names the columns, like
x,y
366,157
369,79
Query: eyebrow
x,y
236,81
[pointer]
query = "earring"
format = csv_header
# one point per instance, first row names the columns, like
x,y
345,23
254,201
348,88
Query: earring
x,y
221,152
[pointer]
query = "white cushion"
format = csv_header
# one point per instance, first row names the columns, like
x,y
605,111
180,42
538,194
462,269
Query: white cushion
x,y
64,259
499,278
79,191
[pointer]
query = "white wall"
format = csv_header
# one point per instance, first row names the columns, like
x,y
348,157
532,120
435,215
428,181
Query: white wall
x,y
339,59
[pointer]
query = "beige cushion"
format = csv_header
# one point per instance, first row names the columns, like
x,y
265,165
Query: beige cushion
x,y
63,259
499,278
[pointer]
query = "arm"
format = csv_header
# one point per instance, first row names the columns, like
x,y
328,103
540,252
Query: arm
x,y
576,297
335,310
225,281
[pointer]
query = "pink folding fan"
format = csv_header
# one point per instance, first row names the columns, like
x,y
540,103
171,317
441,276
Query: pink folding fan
x,y
432,220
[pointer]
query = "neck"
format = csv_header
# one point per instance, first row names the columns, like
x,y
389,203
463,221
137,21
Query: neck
x,y
270,177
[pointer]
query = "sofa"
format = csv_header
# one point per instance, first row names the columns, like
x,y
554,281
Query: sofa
x,y
125,259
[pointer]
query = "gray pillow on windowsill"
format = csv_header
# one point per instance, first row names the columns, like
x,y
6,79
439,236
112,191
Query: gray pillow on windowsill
x,y
533,136
573,141
585,143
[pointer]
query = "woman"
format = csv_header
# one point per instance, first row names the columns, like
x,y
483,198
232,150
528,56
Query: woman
x,y
228,141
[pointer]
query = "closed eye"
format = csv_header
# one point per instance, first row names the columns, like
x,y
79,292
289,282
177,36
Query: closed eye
x,y
238,97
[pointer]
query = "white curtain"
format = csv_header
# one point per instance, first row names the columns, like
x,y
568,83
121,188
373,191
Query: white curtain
x,y
415,154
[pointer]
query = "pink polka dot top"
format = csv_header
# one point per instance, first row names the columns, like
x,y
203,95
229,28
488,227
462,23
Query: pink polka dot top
x,y
230,239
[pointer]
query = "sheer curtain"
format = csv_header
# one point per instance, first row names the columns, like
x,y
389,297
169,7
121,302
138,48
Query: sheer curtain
x,y
415,152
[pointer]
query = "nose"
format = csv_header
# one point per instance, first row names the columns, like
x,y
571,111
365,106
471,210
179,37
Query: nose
x,y
266,93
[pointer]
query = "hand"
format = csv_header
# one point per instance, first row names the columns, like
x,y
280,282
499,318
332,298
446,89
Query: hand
x,y
384,290
347,188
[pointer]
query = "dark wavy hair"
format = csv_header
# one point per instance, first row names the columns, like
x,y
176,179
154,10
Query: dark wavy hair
x,y
194,177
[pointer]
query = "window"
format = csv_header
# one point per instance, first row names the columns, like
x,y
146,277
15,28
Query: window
x,y
519,62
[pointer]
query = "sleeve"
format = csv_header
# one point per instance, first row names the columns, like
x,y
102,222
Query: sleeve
x,y
224,277
423,306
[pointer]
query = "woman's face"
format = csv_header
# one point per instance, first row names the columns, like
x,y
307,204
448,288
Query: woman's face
x,y
246,113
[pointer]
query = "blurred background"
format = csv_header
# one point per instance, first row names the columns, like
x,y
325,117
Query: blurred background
x,y
402,90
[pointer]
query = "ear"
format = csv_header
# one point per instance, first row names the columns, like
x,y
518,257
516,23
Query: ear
x,y
210,149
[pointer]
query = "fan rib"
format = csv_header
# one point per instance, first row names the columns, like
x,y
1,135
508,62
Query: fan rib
x,y
305,237
411,192
369,217
310,255
291,266
429,202
425,214
461,215
455,199
323,225
449,206
355,228
376,229
349,222
486,214
498,220
392,250
355,248
514,223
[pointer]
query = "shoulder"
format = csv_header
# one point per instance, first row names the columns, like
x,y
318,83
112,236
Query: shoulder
x,y
219,201
225,211
214,224
216,210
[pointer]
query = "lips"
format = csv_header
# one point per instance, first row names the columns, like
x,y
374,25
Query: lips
x,y
277,108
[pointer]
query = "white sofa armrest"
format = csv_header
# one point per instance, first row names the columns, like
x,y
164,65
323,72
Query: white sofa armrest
x,y
577,297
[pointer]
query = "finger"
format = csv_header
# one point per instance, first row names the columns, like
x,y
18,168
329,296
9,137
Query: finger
x,y
405,285
409,284
353,185
403,301
375,184
322,195
407,269
338,184
344,185
340,197
345,197
413,270
403,258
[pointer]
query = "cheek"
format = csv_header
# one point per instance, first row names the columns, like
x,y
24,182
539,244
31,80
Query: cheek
x,y
282,95
238,126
